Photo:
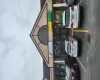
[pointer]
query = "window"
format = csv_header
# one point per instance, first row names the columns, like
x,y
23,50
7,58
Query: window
x,y
60,58
67,73
62,73
60,78
67,16
60,1
59,43
43,34
60,66
58,31
58,17
59,50
69,48
58,38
